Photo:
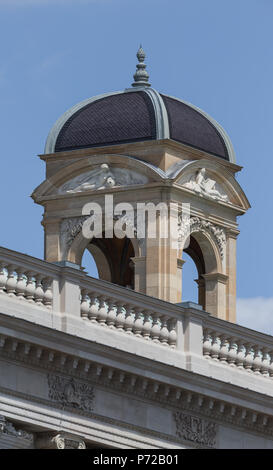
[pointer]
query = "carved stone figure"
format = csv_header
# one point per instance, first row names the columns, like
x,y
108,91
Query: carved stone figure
x,y
205,186
102,178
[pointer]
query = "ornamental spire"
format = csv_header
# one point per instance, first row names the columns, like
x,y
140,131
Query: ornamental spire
x,y
141,76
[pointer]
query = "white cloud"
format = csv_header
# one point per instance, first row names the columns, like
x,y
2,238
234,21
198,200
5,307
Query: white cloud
x,y
256,313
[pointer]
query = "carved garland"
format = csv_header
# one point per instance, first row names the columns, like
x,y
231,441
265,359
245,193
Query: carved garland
x,y
187,226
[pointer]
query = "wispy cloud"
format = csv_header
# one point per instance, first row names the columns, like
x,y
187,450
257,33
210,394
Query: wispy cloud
x,y
256,313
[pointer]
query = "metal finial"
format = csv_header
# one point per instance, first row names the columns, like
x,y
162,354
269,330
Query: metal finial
x,y
141,76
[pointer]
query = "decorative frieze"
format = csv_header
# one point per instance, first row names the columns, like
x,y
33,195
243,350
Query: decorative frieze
x,y
194,429
71,392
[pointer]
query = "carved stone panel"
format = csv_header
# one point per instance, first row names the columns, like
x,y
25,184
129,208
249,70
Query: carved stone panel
x,y
71,392
194,429
102,177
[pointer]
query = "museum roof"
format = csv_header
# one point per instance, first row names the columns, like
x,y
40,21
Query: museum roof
x,y
137,114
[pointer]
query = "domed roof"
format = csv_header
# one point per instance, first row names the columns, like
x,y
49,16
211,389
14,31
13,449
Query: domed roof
x,y
137,114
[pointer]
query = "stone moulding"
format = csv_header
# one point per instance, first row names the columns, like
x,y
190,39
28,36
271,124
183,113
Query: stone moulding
x,y
197,430
71,392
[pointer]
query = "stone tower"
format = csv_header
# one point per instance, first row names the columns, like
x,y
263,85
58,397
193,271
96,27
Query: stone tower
x,y
134,147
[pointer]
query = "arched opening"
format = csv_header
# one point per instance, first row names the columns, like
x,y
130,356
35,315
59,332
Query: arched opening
x,y
190,274
89,264
196,256
111,260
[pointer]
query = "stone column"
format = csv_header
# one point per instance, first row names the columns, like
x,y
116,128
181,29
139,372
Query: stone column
x,y
231,272
215,292
139,274
52,240
161,261
180,263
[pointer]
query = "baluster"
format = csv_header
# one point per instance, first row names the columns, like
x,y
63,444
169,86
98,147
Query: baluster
x,y
270,368
248,362
48,295
147,325
240,355
138,324
155,331
172,334
129,319
224,348
232,355
102,313
30,287
112,314
265,362
21,284
257,362
39,294
215,347
164,332
84,304
120,318
207,344
3,278
93,309
12,281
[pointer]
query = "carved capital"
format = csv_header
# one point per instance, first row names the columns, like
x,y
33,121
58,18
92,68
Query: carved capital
x,y
58,441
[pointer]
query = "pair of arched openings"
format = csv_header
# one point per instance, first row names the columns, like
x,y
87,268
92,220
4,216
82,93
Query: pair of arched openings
x,y
111,259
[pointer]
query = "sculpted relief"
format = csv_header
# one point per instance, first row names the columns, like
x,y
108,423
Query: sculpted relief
x,y
205,186
103,177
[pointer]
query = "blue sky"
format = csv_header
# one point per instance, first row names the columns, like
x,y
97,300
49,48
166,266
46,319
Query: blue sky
x,y
216,54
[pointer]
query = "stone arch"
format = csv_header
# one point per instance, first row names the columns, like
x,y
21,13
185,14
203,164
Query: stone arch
x,y
112,255
208,255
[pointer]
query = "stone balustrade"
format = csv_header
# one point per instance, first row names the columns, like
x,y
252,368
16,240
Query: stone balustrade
x,y
26,278
128,316
67,290
238,347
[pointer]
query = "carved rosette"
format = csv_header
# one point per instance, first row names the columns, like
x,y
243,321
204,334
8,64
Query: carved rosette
x,y
187,226
194,429
70,392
